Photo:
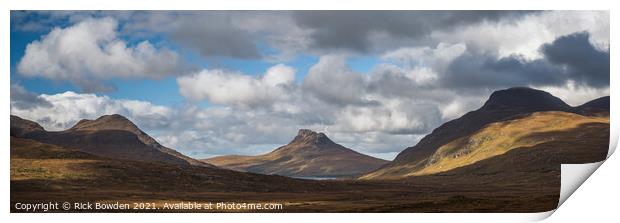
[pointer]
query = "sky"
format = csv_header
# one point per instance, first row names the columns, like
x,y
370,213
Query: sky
x,y
210,83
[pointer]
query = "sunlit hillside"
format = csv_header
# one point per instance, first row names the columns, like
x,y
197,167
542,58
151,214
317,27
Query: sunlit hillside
x,y
496,139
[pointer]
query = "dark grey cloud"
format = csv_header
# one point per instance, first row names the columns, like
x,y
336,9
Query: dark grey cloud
x,y
352,29
209,33
214,35
570,57
23,99
486,71
583,61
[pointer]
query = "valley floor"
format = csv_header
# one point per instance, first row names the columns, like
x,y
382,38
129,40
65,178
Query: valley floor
x,y
76,177
423,195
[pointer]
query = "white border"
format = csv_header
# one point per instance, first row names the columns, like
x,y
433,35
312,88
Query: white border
x,y
596,200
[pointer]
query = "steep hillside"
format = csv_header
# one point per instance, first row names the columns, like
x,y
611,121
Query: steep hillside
x,y
499,138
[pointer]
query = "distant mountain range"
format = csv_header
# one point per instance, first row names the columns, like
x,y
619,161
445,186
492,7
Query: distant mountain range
x,y
309,154
464,137
460,142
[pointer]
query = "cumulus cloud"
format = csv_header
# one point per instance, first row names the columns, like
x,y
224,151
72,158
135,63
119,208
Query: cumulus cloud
x,y
90,51
222,87
413,72
333,81
393,116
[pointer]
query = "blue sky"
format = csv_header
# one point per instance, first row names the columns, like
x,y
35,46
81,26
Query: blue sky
x,y
242,82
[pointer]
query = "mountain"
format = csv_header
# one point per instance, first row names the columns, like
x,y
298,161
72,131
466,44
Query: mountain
x,y
118,122
503,105
21,127
112,136
309,154
596,107
500,138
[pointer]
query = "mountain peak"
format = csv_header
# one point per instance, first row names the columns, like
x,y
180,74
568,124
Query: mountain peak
x,y
106,122
308,136
114,122
524,97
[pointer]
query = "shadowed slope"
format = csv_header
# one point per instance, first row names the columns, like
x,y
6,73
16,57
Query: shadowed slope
x,y
596,107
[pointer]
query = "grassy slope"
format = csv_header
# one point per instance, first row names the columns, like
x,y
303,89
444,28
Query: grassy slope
x,y
496,139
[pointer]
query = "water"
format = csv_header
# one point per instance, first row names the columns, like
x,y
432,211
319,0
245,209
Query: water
x,y
316,178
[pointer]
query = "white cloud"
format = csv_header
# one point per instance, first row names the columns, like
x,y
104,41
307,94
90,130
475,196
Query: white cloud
x,y
331,80
90,51
222,87
525,36
423,64
279,74
396,116
574,94
68,108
